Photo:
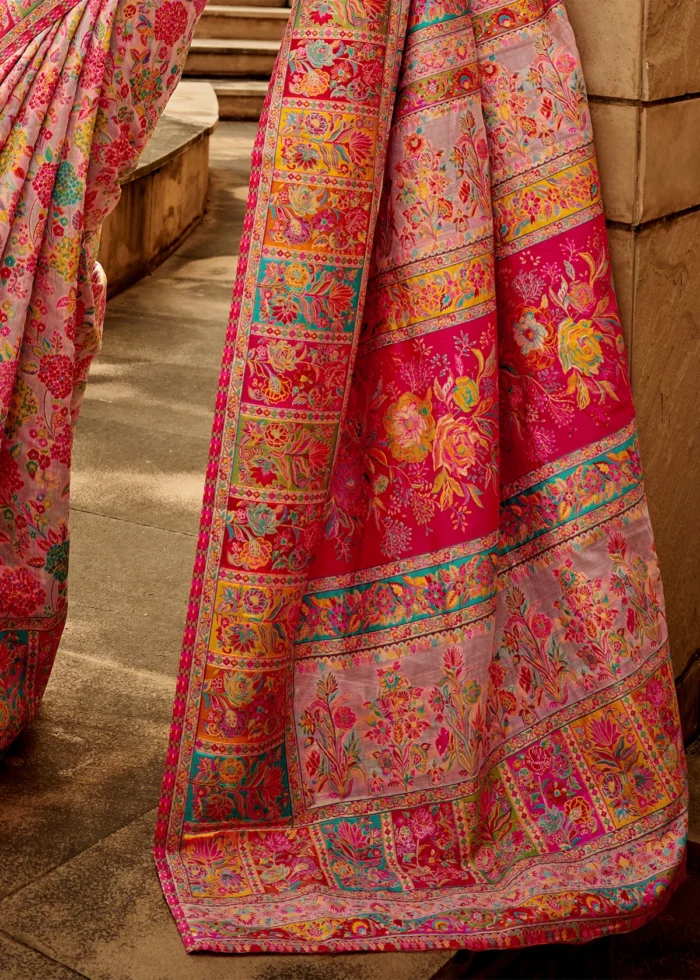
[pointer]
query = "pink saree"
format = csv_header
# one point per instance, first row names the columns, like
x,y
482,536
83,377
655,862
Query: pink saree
x,y
425,696
82,83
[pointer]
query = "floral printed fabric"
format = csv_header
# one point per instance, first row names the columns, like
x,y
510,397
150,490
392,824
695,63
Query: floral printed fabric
x,y
82,83
425,696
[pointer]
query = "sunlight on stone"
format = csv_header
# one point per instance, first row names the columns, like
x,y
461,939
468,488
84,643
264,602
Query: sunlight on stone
x,y
111,393
99,488
102,367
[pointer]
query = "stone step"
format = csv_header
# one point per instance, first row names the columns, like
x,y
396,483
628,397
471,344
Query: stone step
x,y
211,57
234,23
239,99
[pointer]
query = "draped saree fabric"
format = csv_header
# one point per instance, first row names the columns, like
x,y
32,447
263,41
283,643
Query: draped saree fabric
x,y
425,696
82,83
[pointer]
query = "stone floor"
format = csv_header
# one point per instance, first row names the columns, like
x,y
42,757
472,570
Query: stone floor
x,y
78,893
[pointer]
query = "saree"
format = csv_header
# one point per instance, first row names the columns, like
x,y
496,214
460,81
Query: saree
x,y
425,696
82,84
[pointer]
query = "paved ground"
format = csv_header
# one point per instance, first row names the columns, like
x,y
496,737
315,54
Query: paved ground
x,y
78,893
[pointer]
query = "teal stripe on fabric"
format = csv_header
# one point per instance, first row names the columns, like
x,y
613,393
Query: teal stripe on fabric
x,y
551,487
390,602
434,13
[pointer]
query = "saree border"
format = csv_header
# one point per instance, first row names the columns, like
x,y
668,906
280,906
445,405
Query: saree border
x,y
34,23
198,625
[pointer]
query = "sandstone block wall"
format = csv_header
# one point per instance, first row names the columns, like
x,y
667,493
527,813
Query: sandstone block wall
x,y
641,59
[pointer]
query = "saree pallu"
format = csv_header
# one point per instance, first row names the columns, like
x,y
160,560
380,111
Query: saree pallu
x,y
425,696
82,84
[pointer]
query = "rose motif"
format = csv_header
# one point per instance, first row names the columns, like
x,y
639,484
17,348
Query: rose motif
x,y
239,689
538,760
582,295
411,427
578,811
530,335
344,718
311,83
579,347
320,54
453,448
276,436
541,626
261,518
303,200
297,276
466,393
232,771
282,356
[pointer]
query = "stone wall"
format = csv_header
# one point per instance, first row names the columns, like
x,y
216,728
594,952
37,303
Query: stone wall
x,y
641,60
164,199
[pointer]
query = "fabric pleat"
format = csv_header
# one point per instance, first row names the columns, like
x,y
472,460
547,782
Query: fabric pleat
x,y
425,696
82,84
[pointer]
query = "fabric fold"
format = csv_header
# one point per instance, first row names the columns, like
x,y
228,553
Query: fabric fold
x,y
425,697
82,84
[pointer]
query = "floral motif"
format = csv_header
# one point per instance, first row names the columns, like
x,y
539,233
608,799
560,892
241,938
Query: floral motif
x,y
410,427
282,454
310,294
356,855
323,142
99,80
13,706
564,497
437,452
456,702
317,219
427,847
530,108
530,641
225,789
497,839
588,617
21,593
239,705
336,69
396,721
434,664
625,776
555,794
286,860
358,15
249,618
633,583
398,601
329,725
561,356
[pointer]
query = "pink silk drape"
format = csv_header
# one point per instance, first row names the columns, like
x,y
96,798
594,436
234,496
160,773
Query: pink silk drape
x,y
425,696
82,84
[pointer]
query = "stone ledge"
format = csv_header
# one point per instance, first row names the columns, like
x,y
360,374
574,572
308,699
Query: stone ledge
x,y
164,198
649,158
643,50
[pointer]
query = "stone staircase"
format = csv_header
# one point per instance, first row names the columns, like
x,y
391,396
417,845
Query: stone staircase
x,y
234,49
